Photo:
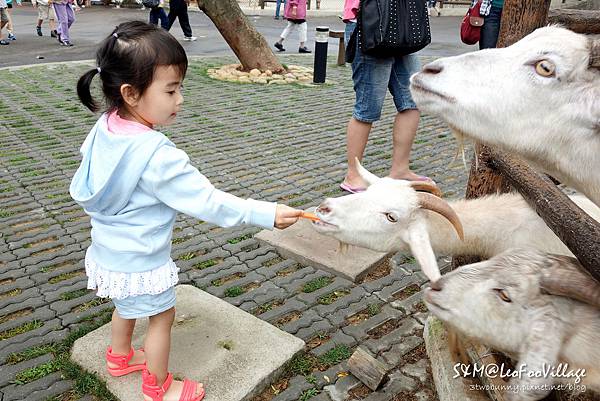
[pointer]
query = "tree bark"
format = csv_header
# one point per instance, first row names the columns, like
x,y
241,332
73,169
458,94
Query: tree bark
x,y
580,21
519,18
573,226
247,43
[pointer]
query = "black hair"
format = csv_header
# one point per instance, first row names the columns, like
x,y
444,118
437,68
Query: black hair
x,y
130,55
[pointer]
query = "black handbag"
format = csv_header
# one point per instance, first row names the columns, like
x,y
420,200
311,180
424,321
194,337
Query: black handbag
x,y
392,27
151,3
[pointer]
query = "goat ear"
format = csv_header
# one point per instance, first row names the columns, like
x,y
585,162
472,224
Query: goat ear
x,y
420,246
538,352
366,175
594,53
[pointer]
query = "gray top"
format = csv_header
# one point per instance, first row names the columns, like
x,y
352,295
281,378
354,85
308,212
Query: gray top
x,y
3,4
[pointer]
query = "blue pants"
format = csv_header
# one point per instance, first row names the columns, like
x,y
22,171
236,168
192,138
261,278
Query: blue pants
x,y
277,7
158,13
490,29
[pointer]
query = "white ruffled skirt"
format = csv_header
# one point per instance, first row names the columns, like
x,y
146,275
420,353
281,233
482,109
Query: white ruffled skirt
x,y
119,285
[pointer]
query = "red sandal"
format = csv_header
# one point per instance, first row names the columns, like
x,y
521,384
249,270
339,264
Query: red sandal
x,y
122,361
150,389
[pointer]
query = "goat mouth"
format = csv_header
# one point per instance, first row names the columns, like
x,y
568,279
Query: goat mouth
x,y
417,85
323,224
431,304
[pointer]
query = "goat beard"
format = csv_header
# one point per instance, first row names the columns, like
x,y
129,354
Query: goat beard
x,y
460,150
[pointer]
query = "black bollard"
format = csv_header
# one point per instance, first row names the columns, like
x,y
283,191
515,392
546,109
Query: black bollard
x,y
320,68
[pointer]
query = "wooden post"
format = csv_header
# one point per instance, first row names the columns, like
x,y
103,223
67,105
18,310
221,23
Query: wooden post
x,y
580,21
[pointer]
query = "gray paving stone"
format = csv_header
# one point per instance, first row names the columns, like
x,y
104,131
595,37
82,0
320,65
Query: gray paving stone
x,y
46,338
9,372
300,242
39,390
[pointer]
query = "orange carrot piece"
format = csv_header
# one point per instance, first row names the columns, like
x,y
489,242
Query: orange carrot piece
x,y
310,216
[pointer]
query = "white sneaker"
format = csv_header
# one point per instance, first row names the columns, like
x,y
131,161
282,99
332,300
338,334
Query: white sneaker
x,y
189,38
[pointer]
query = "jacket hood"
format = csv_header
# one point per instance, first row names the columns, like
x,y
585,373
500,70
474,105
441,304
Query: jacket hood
x,y
111,168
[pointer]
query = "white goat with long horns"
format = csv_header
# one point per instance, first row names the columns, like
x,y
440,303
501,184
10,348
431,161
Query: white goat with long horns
x,y
548,307
392,216
539,98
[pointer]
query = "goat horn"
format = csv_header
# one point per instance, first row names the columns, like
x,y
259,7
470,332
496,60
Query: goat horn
x,y
438,205
595,53
427,187
566,277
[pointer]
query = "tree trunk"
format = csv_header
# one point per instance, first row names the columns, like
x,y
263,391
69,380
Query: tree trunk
x,y
249,46
580,21
519,18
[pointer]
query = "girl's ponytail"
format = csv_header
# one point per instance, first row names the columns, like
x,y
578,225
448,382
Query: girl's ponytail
x,y
83,90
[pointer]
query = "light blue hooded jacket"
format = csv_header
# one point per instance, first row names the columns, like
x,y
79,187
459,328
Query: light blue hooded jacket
x,y
132,187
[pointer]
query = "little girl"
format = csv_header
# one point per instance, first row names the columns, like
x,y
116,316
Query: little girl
x,y
132,181
295,13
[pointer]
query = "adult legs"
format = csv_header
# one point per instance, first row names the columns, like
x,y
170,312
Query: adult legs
x,y
162,16
406,121
184,21
490,29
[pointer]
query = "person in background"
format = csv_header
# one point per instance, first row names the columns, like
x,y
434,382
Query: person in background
x,y
179,9
9,26
65,16
278,7
295,13
491,11
432,8
158,13
45,12
373,77
3,21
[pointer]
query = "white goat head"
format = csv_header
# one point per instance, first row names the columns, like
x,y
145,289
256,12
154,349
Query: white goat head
x,y
539,98
537,307
377,220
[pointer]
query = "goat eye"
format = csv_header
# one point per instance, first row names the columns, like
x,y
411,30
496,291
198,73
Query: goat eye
x,y
545,68
503,294
391,217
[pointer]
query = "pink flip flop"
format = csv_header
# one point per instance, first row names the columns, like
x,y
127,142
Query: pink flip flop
x,y
122,362
352,190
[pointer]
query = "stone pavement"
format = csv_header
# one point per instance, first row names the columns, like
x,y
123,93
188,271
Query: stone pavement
x,y
278,143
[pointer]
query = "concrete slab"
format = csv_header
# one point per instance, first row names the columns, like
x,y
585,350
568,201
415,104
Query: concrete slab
x,y
448,387
303,244
205,326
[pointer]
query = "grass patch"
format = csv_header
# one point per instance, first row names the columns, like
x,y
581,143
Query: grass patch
x,y
37,372
12,293
335,355
67,296
227,344
187,256
308,394
239,239
234,291
24,328
332,297
64,276
205,265
5,213
316,284
28,354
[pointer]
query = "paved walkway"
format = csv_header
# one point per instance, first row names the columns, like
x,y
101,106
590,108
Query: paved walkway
x,y
266,142
95,24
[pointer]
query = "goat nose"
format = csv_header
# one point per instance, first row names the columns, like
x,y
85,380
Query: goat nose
x,y
324,208
436,285
433,68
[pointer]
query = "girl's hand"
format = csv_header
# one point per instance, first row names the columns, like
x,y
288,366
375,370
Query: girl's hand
x,y
294,11
285,216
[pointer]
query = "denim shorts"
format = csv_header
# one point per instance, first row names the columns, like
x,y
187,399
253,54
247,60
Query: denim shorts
x,y
373,76
145,305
